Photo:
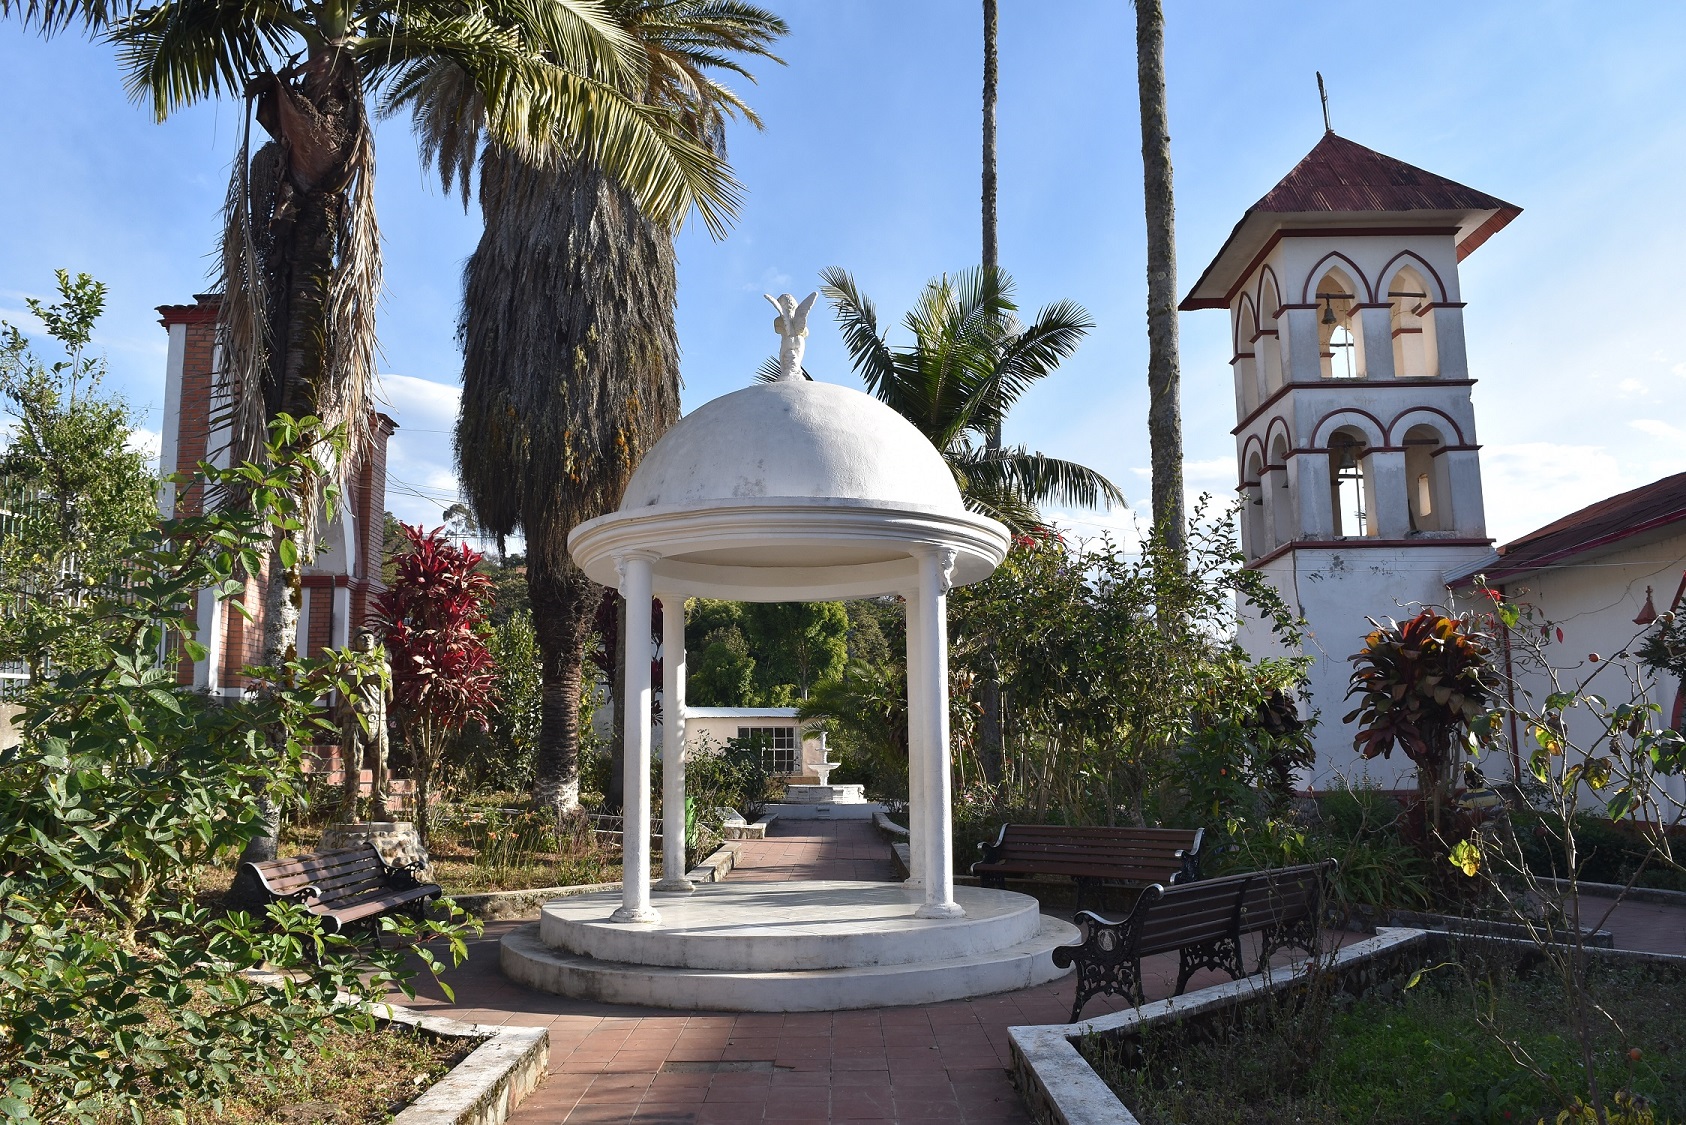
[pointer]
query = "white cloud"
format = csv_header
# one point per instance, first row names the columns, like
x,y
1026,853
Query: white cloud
x,y
1679,369
1631,388
149,442
420,464
1658,429
1529,484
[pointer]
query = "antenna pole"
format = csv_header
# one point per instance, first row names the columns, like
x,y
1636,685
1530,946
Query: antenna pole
x,y
1324,95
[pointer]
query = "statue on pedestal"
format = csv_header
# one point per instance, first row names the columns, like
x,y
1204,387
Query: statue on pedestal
x,y
363,734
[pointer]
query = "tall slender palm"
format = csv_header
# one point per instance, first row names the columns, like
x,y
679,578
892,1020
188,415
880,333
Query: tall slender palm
x,y
570,355
1164,379
970,361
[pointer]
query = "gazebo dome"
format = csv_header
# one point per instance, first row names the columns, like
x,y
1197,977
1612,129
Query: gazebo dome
x,y
794,440
793,490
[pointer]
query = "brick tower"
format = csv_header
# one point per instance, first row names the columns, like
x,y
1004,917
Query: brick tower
x,y
341,581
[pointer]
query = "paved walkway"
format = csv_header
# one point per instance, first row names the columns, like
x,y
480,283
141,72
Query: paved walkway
x,y
937,1063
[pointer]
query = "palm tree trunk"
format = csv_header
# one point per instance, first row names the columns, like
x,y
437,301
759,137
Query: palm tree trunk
x,y
570,372
991,254
1164,412
563,611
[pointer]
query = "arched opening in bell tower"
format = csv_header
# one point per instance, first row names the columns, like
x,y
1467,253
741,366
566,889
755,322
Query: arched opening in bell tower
x,y
1338,353
1268,348
1425,479
1351,489
1415,355
1256,529
1282,514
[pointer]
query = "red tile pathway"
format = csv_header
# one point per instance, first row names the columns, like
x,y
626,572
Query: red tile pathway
x,y
613,1063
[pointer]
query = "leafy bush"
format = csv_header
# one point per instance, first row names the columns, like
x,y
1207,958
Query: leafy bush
x,y
117,989
731,776
1607,852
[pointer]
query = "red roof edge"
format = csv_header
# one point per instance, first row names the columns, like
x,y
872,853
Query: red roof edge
x,y
1496,222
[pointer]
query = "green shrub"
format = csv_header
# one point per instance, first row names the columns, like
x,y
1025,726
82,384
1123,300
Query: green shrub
x,y
118,990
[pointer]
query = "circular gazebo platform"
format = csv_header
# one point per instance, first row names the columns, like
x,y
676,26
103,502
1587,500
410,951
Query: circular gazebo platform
x,y
788,947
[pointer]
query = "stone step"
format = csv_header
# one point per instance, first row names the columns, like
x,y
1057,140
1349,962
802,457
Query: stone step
x,y
796,924
526,960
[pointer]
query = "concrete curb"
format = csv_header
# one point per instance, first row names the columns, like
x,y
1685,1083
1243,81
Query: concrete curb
x,y
492,906
484,1088
1656,895
716,867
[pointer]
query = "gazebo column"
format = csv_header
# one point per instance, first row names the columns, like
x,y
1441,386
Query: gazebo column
x,y
673,745
635,569
931,687
917,751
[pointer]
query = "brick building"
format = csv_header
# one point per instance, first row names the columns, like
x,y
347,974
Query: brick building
x,y
342,580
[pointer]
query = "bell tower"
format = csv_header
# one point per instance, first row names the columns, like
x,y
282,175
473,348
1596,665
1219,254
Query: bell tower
x,y
1355,436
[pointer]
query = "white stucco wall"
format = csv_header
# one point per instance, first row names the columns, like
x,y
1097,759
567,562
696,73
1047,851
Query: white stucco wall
x,y
718,725
1594,598
1338,590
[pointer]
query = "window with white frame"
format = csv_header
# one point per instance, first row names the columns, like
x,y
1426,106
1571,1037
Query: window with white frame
x,y
781,750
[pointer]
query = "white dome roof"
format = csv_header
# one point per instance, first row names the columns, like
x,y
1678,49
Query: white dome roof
x,y
794,439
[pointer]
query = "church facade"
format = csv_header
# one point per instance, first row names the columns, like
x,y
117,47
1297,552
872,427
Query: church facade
x,y
1357,456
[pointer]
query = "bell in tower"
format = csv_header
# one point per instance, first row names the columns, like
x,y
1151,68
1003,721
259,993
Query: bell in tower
x,y
1355,436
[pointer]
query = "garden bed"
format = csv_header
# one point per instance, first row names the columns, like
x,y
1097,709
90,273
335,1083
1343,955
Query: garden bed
x,y
355,1078
1248,1051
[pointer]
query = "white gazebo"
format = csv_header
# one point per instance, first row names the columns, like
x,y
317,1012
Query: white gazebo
x,y
792,490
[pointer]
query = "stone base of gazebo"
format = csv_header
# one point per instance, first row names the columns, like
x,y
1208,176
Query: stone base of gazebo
x,y
788,947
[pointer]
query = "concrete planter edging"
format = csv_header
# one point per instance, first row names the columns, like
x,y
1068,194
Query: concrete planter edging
x,y
491,906
1061,1088
484,1088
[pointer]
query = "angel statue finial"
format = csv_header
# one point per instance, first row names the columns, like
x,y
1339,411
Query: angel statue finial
x,y
792,326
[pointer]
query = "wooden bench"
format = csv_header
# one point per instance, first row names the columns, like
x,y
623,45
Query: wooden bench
x,y
1094,857
1204,922
344,886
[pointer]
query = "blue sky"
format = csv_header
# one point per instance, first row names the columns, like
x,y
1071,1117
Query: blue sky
x,y
870,161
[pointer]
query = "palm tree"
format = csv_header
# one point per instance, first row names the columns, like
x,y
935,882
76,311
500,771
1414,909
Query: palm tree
x,y
300,270
1164,380
970,361
570,354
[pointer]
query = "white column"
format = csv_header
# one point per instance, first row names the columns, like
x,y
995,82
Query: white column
x,y
1390,509
1301,362
635,570
916,752
935,564
1308,480
1375,334
673,746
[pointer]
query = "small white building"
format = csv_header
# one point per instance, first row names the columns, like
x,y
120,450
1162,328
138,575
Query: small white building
x,y
1355,435
789,751
1602,575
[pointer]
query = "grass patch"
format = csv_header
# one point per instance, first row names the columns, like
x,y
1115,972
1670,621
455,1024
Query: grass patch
x,y
1432,1053
353,1079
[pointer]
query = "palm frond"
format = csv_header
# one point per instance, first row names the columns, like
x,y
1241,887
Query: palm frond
x,y
1040,479
868,353
182,51
53,16
768,371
